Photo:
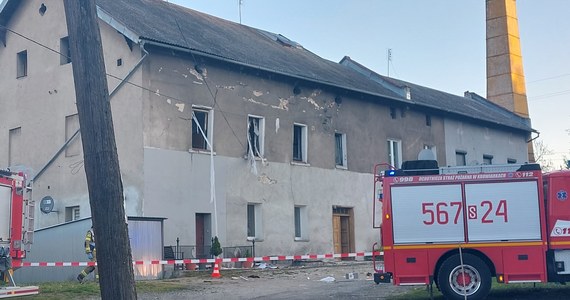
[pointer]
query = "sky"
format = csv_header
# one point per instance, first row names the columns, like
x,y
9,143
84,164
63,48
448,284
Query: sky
x,y
435,43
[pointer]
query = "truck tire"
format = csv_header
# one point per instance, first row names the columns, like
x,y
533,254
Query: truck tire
x,y
473,279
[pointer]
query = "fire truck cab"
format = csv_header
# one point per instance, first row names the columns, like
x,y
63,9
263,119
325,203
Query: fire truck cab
x,y
458,227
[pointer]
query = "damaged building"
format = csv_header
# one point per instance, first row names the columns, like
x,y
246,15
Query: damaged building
x,y
227,130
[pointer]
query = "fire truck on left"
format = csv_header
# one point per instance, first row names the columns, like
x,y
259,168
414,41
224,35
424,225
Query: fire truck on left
x,y
16,231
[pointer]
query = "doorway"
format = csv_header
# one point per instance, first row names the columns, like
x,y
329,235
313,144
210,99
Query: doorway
x,y
343,229
203,235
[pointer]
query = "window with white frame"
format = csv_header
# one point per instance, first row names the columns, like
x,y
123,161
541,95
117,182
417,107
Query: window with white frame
x,y
201,128
301,222
22,64
255,136
394,153
254,230
300,143
460,158
72,213
340,149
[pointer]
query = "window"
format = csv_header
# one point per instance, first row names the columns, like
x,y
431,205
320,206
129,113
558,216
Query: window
x,y
301,220
487,159
511,161
340,149
201,129
428,120
253,221
392,112
64,51
394,153
255,135
15,146
22,64
72,213
300,142
71,126
460,158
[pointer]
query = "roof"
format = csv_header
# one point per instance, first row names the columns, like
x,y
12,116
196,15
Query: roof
x,y
168,24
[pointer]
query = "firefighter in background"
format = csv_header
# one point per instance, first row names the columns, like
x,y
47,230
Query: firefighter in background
x,y
90,250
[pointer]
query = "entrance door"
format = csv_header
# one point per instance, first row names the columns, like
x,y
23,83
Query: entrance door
x,y
203,235
343,230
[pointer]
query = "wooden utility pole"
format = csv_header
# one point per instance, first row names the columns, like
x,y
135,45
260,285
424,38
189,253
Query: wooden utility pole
x,y
100,152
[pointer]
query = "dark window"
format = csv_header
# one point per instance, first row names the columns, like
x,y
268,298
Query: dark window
x,y
297,222
460,158
392,112
64,51
428,120
298,142
22,61
487,159
339,149
251,220
511,161
198,136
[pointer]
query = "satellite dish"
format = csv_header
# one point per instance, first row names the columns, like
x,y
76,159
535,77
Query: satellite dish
x,y
46,204
426,154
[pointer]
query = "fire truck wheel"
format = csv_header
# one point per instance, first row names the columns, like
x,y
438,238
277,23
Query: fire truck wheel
x,y
473,279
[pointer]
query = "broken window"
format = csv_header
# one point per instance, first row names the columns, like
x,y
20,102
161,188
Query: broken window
x,y
200,129
394,153
255,134
64,51
340,149
22,64
300,142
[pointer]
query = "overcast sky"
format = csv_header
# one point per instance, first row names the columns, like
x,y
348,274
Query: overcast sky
x,y
435,43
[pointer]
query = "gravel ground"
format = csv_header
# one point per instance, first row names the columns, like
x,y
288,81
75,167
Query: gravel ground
x,y
317,280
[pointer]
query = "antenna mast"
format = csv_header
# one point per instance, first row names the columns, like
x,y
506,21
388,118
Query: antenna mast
x,y
389,59
240,2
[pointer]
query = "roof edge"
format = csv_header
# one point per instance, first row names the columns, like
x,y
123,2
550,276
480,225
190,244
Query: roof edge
x,y
123,29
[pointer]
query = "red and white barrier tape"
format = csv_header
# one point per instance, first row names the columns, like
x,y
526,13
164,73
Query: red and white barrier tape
x,y
18,264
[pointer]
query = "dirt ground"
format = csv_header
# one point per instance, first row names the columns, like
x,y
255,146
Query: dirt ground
x,y
313,280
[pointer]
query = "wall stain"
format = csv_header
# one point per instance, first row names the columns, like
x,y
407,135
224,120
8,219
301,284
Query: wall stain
x,y
263,178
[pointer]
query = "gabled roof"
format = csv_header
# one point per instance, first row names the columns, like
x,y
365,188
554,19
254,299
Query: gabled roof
x,y
167,24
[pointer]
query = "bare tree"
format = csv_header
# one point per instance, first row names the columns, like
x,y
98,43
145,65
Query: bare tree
x,y
541,155
100,151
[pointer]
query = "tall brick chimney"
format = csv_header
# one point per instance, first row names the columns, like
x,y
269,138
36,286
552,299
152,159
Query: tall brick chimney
x,y
505,75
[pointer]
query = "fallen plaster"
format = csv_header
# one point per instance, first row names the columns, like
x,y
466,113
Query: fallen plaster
x,y
254,101
180,106
198,75
197,82
283,104
263,178
226,87
168,101
312,101
157,92
257,93
276,125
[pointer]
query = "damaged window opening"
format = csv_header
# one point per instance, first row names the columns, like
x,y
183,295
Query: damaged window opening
x,y
340,149
255,135
300,143
198,140
251,220
460,158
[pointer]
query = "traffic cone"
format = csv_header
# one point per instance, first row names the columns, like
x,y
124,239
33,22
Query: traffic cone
x,y
216,273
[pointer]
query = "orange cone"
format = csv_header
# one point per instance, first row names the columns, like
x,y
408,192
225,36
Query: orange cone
x,y
216,273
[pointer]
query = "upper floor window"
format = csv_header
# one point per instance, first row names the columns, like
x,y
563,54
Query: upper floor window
x,y
394,153
340,149
201,129
300,142
255,136
22,64
64,51
487,159
511,161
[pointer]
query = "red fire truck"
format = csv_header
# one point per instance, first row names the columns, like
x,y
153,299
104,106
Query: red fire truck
x,y
458,227
16,230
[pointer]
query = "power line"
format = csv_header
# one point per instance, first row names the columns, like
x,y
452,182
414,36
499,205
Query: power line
x,y
549,78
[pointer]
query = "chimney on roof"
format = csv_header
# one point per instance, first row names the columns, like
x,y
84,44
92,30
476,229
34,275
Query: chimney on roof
x,y
505,75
